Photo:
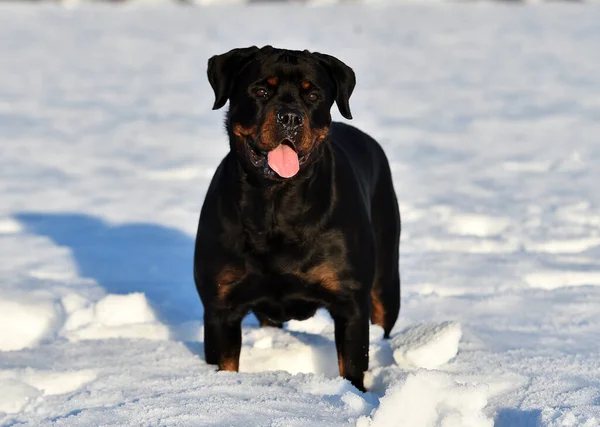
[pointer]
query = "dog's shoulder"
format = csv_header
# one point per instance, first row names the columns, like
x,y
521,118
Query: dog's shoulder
x,y
221,178
218,203
356,154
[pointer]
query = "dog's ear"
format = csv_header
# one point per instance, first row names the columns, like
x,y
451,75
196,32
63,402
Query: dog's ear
x,y
224,68
344,80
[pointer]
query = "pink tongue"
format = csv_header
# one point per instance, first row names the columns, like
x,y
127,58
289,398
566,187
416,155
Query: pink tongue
x,y
284,161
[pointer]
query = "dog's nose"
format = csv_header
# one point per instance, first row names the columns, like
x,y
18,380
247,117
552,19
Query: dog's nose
x,y
289,118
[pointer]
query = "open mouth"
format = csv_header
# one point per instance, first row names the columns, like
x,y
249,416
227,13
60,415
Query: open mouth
x,y
283,161
257,157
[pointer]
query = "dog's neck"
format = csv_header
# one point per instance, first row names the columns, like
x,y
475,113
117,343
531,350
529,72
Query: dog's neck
x,y
279,207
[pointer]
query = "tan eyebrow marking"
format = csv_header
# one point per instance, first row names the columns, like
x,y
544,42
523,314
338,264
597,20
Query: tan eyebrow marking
x,y
273,80
306,84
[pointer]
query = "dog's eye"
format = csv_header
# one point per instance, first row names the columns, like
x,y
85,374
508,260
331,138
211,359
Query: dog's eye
x,y
262,93
312,97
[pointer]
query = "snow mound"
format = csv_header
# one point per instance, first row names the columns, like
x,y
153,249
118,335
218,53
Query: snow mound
x,y
426,345
15,395
30,318
271,349
119,310
115,316
313,325
9,226
430,399
27,320
18,388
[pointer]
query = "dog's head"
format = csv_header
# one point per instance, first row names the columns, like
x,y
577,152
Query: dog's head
x,y
279,105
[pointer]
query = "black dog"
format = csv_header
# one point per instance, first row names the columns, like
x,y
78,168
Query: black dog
x,y
300,214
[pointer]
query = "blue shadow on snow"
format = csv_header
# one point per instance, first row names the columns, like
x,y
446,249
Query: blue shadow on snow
x,y
122,259
513,417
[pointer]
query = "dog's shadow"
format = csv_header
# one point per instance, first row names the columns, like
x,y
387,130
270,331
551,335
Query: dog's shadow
x,y
122,259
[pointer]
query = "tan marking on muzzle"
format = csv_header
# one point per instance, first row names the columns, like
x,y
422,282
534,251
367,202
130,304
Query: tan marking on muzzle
x,y
242,131
312,136
269,131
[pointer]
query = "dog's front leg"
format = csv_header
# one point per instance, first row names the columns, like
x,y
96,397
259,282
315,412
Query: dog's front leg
x,y
352,342
222,340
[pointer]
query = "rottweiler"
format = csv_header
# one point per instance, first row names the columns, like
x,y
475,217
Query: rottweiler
x,y
301,213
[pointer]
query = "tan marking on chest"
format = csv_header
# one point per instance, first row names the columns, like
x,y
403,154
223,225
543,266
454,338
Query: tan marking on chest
x,y
228,276
326,275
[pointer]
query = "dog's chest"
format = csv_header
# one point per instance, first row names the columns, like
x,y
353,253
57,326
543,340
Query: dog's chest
x,y
308,257
285,270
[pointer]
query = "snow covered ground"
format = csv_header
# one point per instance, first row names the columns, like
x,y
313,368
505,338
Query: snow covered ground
x,y
490,115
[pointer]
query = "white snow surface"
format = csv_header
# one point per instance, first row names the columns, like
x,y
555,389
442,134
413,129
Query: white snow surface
x,y
426,346
490,116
